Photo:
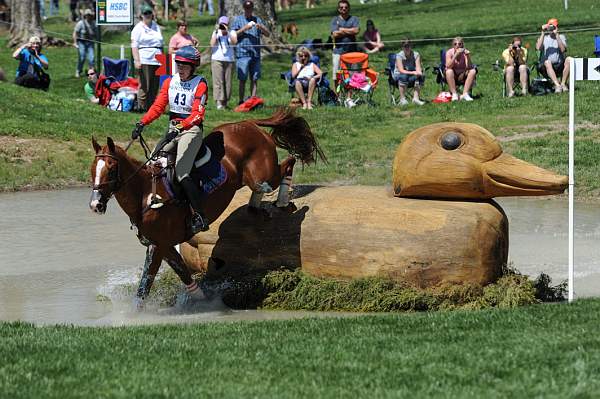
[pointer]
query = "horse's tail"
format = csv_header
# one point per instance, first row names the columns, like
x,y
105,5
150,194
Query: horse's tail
x,y
292,133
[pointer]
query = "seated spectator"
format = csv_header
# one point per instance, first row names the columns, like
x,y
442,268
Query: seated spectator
x,y
305,74
30,72
409,73
181,38
372,38
90,86
515,66
459,70
553,48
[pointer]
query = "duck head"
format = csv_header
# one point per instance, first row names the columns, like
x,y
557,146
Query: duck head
x,y
465,161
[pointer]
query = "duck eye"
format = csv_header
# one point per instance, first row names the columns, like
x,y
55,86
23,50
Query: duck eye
x,y
451,141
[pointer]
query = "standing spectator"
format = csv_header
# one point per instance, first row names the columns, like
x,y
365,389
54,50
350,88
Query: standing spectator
x,y
553,47
248,29
515,66
53,7
31,65
90,86
344,29
459,69
73,5
372,38
181,38
209,3
222,42
84,34
146,43
409,72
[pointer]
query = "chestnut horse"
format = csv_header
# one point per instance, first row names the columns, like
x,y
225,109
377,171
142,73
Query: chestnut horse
x,y
249,158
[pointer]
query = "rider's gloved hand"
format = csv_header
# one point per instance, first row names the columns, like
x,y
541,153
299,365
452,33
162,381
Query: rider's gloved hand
x,y
173,132
137,131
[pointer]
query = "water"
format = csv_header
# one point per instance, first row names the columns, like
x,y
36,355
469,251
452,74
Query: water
x,y
56,257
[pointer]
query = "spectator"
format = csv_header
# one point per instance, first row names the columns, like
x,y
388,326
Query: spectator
x,y
459,69
54,9
344,29
515,66
372,38
73,8
305,75
30,72
90,86
209,3
222,42
553,48
409,72
84,34
181,38
146,43
248,29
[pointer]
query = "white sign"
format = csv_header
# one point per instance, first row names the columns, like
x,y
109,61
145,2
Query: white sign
x,y
114,12
587,68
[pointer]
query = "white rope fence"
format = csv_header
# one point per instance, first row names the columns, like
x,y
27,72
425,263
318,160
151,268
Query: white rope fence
x,y
413,40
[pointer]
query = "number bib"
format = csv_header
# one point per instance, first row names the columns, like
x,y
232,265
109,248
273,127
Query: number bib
x,y
181,94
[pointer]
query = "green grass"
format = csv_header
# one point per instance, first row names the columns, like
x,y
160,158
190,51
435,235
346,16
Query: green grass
x,y
549,351
359,143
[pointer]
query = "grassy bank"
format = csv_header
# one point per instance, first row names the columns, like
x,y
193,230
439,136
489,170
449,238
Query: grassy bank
x,y
45,136
548,351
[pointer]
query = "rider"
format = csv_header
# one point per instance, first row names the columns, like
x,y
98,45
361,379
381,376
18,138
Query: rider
x,y
186,95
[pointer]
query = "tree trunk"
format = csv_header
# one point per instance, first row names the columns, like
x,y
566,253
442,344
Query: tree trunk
x,y
25,22
264,9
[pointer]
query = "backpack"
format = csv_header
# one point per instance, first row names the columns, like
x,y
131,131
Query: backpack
x,y
327,97
541,86
250,104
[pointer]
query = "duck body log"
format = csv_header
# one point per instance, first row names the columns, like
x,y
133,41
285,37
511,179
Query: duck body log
x,y
359,231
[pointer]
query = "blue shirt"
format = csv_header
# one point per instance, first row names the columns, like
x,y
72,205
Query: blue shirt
x,y
28,62
248,39
343,45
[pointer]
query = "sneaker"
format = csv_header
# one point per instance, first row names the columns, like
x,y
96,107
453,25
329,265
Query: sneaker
x,y
418,101
557,89
454,97
510,94
564,87
220,107
349,103
524,92
466,97
77,74
403,101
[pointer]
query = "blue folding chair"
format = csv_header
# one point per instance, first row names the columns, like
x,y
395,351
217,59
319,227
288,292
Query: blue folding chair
x,y
597,45
117,70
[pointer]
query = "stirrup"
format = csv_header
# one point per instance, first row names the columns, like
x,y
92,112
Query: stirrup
x,y
198,224
156,201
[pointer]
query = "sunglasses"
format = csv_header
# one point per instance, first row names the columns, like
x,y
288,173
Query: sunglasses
x,y
458,44
91,74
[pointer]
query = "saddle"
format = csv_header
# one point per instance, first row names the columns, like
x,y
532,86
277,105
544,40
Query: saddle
x,y
208,173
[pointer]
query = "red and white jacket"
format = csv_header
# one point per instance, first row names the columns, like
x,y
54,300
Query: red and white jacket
x,y
186,101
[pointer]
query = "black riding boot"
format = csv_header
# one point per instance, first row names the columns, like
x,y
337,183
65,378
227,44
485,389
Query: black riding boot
x,y
193,194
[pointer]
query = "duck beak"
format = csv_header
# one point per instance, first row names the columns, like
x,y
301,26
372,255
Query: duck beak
x,y
510,176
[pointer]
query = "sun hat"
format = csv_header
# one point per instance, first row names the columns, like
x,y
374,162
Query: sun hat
x,y
35,39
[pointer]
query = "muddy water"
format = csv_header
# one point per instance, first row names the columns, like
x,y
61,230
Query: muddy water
x,y
56,257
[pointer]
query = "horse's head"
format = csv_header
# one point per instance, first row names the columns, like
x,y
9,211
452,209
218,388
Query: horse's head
x,y
105,175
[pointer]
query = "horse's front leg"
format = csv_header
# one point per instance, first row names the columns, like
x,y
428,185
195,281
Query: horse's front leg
x,y
175,260
286,172
151,266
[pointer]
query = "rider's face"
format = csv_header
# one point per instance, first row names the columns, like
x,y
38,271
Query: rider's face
x,y
185,71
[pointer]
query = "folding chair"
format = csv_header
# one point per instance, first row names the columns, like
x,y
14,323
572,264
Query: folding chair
x,y
597,45
394,92
291,83
352,64
440,72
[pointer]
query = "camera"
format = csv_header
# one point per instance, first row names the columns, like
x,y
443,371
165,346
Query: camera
x,y
222,27
551,28
516,46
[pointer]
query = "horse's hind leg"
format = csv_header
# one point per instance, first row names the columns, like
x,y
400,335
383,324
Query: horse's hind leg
x,y
175,260
151,266
286,172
